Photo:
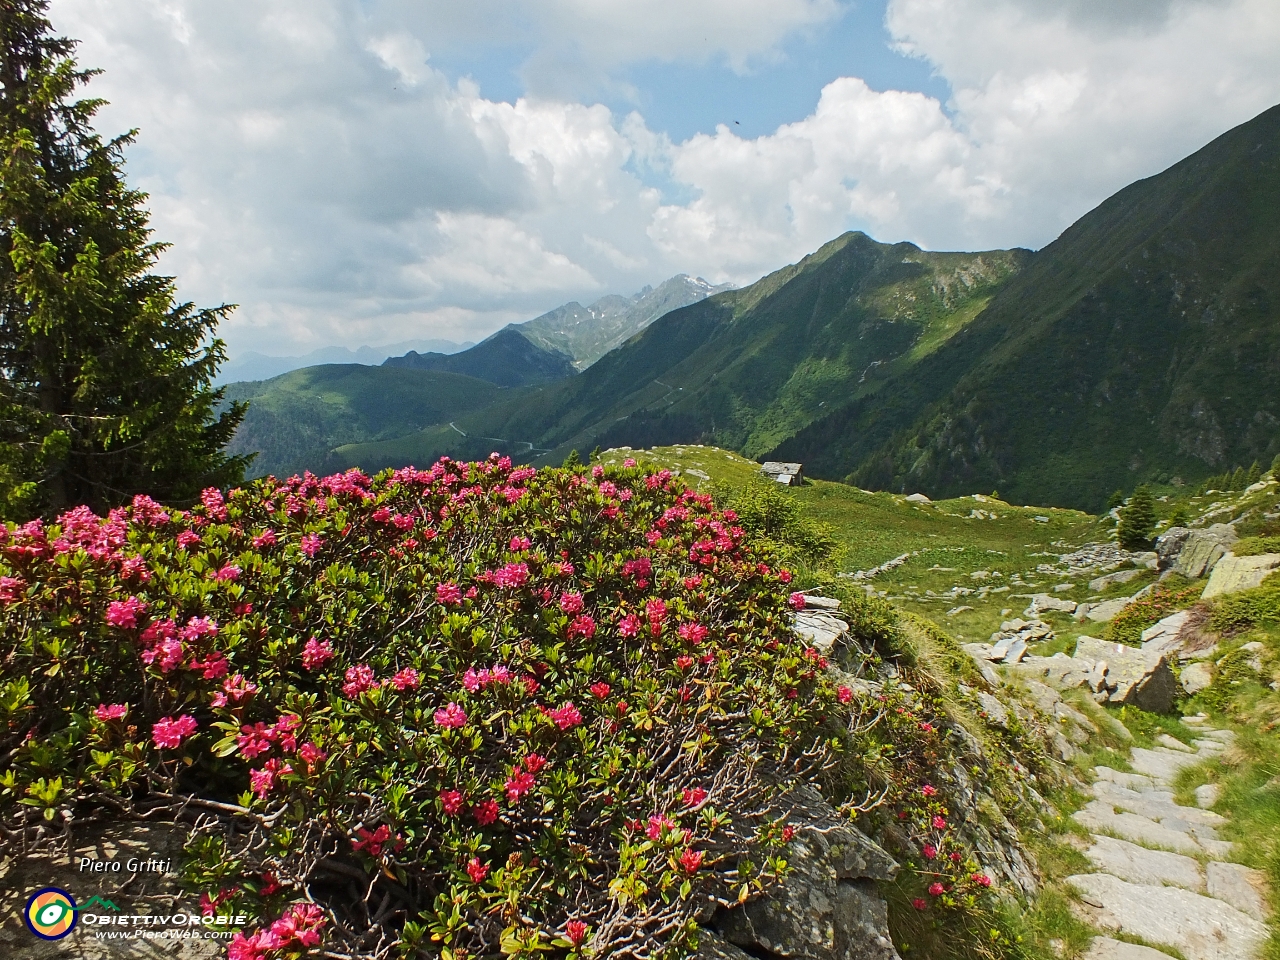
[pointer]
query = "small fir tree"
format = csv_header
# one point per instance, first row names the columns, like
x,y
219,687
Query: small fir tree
x,y
572,461
1254,474
105,378
1275,467
1137,520
1116,500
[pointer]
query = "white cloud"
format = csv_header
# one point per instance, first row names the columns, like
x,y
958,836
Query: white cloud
x,y
308,161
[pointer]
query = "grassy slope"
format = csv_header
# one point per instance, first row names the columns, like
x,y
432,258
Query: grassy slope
x,y
1143,342
750,367
300,416
952,540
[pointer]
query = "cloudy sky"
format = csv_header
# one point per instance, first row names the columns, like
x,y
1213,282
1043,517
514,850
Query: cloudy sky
x,y
368,171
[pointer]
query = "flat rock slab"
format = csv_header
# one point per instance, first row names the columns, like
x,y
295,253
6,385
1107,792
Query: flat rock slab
x,y
1201,928
1104,948
1128,861
1173,743
1239,886
1161,764
820,628
1106,610
1233,574
1099,816
1140,678
1156,805
1134,781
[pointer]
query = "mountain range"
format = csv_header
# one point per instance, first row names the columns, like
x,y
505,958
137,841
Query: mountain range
x,y
260,366
1142,344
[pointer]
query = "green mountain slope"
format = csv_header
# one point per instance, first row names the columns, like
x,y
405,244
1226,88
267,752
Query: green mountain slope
x,y
507,358
1142,344
748,368
296,419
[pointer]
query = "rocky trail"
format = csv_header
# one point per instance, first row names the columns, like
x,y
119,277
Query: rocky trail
x,y
1162,872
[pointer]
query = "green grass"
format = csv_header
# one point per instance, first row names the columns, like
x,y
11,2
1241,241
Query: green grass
x,y
950,541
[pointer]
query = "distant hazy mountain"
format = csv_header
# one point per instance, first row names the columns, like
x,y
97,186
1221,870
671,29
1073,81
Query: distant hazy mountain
x,y
260,366
587,333
506,358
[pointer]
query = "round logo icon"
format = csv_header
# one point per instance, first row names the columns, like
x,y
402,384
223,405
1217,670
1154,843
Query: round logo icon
x,y
50,913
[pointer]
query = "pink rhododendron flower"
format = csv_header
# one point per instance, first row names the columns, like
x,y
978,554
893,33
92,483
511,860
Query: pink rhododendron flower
x,y
534,762
115,711
571,602
692,633
211,497
693,583
198,628
476,870
310,544
691,861
629,462
124,613
684,662
316,654
981,879
300,926
450,716
583,626
656,825
406,679
254,947
929,851
629,626
600,690
652,537
212,666
228,574
597,471
655,612
784,576
518,544
797,601
787,833
209,905
511,576
234,690
263,781
360,679
381,515
929,790
310,754
372,841
452,801
168,733
575,931
693,796
267,538
11,589
939,823
920,904
485,812
844,694
936,889
253,740
518,784
565,716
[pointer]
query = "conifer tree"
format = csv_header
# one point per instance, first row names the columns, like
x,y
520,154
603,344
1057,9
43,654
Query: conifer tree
x,y
105,378
1254,474
1137,520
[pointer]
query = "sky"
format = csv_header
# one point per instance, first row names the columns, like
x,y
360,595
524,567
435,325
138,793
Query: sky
x,y
368,171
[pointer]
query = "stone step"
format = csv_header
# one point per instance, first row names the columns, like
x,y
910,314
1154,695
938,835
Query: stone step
x,y
1161,764
1098,816
1239,886
1137,864
1200,927
1156,805
1104,948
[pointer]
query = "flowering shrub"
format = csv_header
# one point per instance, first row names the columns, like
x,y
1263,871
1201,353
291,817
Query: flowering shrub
x,y
467,710
475,687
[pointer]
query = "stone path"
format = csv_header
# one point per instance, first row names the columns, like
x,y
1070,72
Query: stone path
x,y
1163,874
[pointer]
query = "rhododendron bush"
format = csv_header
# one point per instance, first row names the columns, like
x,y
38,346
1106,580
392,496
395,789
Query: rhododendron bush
x,y
464,710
